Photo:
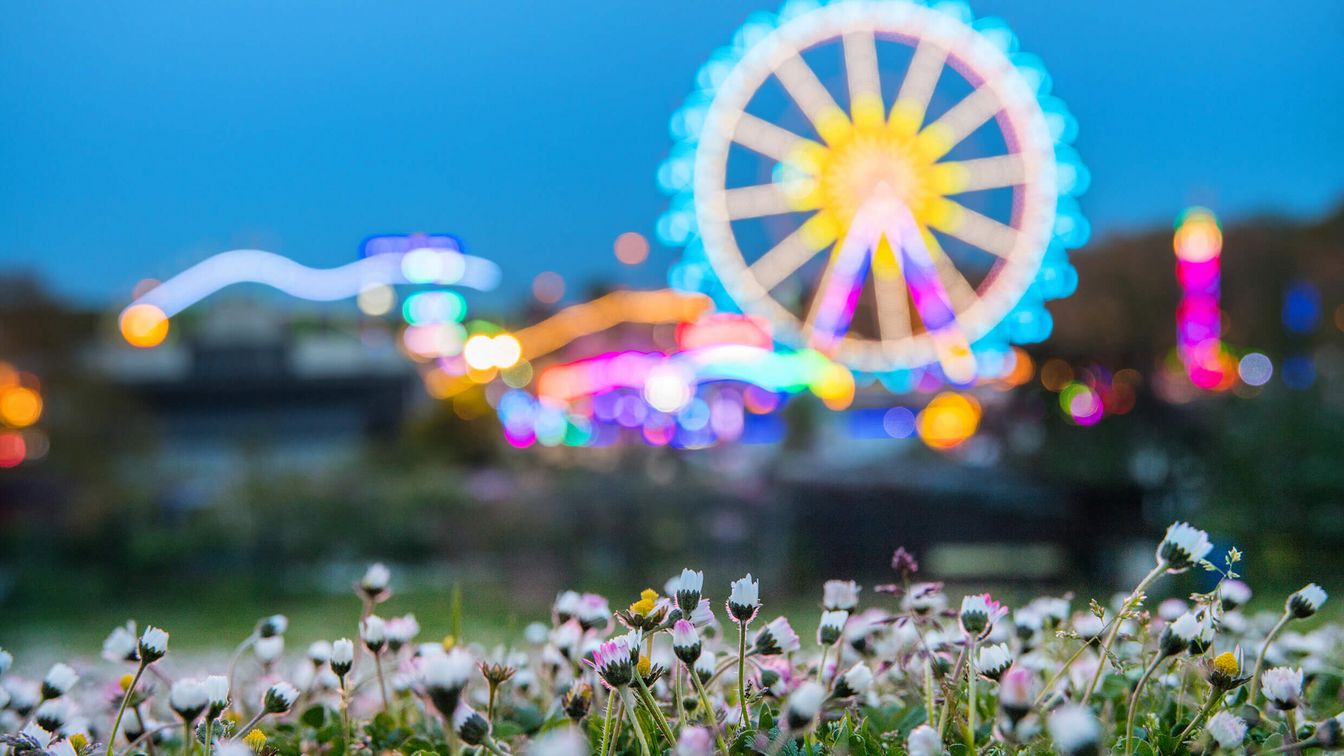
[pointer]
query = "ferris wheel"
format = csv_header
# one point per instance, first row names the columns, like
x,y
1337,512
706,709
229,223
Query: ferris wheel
x,y
886,182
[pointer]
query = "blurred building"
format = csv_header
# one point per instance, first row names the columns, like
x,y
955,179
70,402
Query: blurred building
x,y
253,388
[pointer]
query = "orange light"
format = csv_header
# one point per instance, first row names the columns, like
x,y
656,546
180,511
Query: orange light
x,y
1023,368
631,248
144,325
948,421
650,307
20,407
1056,374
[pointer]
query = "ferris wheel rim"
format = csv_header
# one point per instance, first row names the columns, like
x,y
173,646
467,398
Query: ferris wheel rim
x,y
1016,104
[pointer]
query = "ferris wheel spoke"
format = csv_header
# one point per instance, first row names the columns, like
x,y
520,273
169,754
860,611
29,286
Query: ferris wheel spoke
x,y
959,290
977,230
812,97
926,67
982,173
768,139
893,305
865,81
758,201
962,119
786,257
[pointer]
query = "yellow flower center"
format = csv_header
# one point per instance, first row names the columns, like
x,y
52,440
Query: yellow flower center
x,y
644,665
448,642
255,739
647,600
126,680
78,742
1226,664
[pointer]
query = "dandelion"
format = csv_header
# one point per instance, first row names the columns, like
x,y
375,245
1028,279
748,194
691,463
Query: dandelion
x,y
374,585
686,590
924,741
777,637
1226,729
59,680
840,594
1074,730
993,660
1283,687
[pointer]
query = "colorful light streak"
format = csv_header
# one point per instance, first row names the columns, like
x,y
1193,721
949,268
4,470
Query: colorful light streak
x,y
144,322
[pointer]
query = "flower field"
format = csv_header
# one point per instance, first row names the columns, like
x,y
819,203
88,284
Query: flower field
x,y
699,669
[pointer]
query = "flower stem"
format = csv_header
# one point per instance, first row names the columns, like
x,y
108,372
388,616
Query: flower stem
x,y
1260,660
1050,684
1118,621
233,664
708,707
186,738
382,687
345,714
1215,698
821,667
251,723
742,673
1134,703
606,725
121,710
634,721
970,693
209,733
652,705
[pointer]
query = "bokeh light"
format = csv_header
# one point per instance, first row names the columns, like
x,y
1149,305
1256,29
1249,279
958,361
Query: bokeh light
x,y
376,300
948,421
548,287
631,248
13,450
1056,374
143,325
20,406
1255,369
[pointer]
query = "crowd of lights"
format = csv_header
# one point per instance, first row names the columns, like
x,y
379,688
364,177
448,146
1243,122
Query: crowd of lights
x,y
386,261
21,407
819,177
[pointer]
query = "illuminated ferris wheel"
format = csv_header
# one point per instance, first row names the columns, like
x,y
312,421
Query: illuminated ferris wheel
x,y
887,183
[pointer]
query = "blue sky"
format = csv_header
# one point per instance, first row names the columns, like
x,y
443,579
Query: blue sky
x,y
140,137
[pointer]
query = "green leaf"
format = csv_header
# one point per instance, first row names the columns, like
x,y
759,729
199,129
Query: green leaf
x,y
314,717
